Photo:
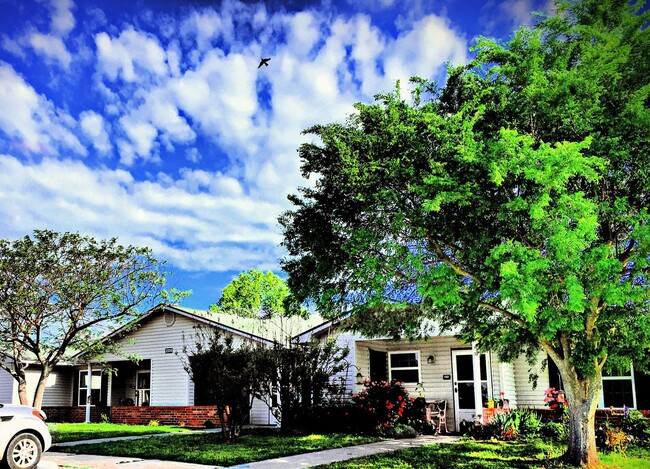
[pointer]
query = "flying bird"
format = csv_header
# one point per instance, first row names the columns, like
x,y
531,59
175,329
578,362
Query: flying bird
x,y
264,62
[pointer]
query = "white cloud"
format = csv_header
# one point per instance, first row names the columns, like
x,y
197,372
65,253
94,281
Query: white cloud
x,y
63,20
201,221
423,49
142,136
133,56
94,126
51,47
32,120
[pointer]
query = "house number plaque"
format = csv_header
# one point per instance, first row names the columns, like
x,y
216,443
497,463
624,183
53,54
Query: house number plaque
x,y
169,350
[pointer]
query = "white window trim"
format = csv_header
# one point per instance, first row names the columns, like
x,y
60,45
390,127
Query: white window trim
x,y
79,388
140,390
630,377
402,352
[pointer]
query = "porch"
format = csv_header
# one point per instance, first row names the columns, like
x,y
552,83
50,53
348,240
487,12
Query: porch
x,y
439,368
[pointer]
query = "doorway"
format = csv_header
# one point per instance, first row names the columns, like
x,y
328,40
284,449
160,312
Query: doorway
x,y
465,383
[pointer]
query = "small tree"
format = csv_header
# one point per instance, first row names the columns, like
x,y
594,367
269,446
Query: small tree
x,y
303,376
253,294
227,375
63,291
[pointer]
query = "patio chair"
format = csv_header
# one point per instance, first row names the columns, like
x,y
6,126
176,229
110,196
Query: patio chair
x,y
438,410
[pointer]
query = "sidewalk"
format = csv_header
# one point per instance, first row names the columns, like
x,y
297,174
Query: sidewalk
x,y
53,460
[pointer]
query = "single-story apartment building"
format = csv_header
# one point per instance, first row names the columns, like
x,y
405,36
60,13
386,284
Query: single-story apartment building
x,y
157,387
146,380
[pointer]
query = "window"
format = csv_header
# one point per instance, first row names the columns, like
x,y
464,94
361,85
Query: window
x,y
404,366
143,388
378,365
96,387
618,389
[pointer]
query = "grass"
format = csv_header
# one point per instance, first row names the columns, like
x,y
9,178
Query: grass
x,y
62,432
486,454
209,448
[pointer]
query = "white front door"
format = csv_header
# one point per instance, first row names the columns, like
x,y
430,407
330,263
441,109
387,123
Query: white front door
x,y
465,382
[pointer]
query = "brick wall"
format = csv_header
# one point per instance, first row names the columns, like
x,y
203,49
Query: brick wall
x,y
190,416
74,414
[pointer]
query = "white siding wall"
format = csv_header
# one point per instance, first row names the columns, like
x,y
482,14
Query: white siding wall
x,y
261,414
507,376
6,387
525,394
431,375
58,389
169,381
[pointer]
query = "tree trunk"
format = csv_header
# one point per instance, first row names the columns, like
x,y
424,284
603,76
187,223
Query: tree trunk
x,y
40,387
582,396
22,390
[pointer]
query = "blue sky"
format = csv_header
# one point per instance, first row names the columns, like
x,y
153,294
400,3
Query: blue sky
x,y
150,121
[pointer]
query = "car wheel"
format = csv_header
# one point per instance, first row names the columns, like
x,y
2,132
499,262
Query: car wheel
x,y
23,451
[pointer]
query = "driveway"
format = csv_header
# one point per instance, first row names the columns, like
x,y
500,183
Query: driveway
x,y
52,460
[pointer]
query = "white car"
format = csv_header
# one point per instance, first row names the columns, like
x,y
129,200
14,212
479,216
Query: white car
x,y
23,436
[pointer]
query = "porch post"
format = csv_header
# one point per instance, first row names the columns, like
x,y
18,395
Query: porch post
x,y
89,386
109,391
478,397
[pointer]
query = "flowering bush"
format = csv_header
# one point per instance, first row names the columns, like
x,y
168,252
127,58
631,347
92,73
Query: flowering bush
x,y
554,399
383,402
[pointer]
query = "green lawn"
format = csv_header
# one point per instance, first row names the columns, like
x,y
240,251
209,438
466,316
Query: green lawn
x,y
492,455
208,448
62,432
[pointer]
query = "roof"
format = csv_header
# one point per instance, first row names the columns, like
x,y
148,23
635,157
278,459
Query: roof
x,y
276,329
273,329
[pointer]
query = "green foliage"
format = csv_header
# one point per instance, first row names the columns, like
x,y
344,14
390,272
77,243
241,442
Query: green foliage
x,y
209,424
227,375
63,432
252,445
289,379
104,418
154,423
254,294
302,379
554,431
638,427
384,404
511,204
61,291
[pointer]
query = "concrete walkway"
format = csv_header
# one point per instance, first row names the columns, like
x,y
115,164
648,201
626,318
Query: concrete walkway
x,y
53,460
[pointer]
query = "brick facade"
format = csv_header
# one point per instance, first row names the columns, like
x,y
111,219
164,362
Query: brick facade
x,y
189,416
75,414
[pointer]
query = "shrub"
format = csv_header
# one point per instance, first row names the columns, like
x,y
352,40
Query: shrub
x,y
104,418
383,403
637,426
154,423
401,430
555,431
209,424
516,424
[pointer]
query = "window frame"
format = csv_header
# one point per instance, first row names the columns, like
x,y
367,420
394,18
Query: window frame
x,y
630,378
84,373
405,352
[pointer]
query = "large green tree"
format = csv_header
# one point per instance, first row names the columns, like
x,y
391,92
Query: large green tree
x,y
511,203
60,292
254,294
